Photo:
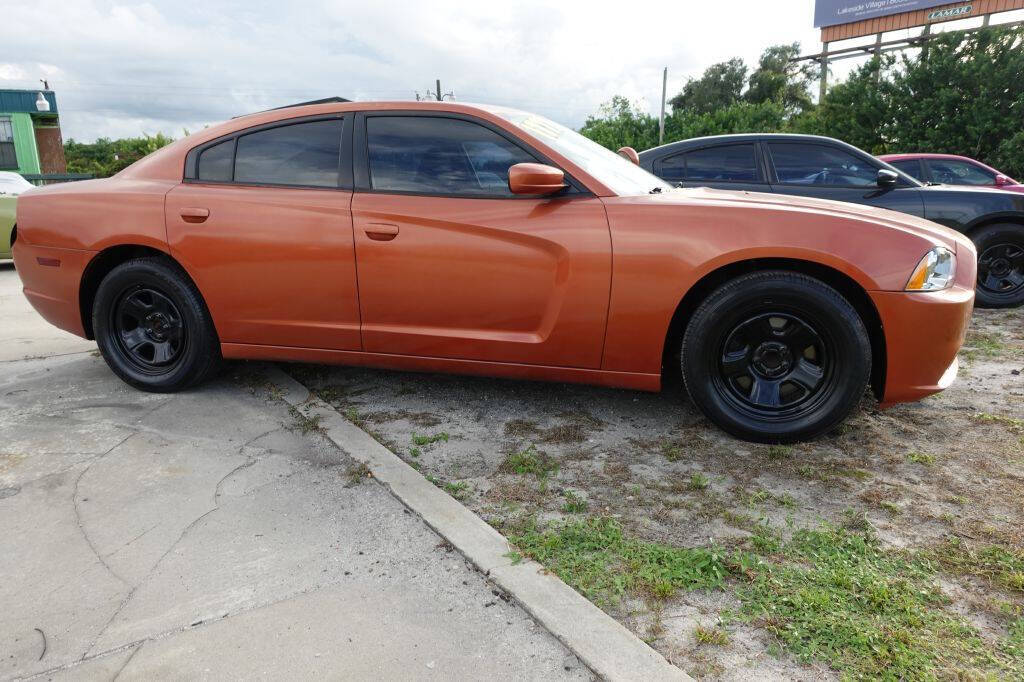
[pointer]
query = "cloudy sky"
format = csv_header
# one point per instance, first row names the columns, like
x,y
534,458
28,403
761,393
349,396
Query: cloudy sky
x,y
124,68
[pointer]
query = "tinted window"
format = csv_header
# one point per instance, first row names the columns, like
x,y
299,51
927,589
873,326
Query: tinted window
x,y
911,167
298,154
439,156
215,162
731,163
951,172
815,164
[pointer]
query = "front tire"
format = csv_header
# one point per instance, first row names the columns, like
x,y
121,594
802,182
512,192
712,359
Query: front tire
x,y
1000,266
776,357
152,326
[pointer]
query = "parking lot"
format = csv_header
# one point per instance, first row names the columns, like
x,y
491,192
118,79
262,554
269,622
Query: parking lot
x,y
207,535
930,492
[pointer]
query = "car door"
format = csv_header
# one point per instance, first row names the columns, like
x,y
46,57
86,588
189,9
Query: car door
x,y
911,167
824,171
452,265
263,223
735,166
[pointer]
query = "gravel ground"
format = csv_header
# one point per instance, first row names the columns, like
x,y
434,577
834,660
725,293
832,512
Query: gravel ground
x,y
919,475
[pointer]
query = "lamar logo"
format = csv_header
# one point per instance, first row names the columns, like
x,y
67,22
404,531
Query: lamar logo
x,y
950,12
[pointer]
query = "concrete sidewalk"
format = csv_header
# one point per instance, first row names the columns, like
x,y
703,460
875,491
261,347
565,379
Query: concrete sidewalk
x,y
202,536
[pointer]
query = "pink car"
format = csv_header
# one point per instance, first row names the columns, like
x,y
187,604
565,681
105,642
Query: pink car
x,y
950,169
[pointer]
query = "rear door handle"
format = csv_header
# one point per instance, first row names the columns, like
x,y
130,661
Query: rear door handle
x,y
195,215
381,232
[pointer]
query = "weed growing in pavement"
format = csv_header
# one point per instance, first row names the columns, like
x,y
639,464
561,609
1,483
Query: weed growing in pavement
x,y
356,474
415,452
459,490
304,422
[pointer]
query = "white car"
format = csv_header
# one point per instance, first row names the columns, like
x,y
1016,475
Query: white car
x,y
12,183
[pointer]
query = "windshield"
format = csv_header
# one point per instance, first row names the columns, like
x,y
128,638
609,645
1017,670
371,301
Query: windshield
x,y
621,176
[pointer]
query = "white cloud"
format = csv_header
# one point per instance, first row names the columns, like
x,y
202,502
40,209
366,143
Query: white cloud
x,y
124,68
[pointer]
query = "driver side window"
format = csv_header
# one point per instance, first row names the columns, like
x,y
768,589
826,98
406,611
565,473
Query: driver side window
x,y
814,164
439,156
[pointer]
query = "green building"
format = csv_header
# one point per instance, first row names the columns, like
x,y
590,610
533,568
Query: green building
x,y
30,139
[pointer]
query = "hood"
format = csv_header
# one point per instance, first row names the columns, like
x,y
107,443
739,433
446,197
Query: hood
x,y
934,232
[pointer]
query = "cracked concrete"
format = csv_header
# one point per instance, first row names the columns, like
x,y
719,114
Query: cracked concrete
x,y
197,536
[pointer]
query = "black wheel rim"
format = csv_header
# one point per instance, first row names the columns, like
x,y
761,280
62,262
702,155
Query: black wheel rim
x,y
148,330
775,366
1001,268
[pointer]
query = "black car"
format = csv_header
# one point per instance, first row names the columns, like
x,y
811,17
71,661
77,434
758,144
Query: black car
x,y
825,168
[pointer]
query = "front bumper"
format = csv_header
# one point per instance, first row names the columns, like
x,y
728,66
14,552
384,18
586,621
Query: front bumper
x,y
50,280
923,334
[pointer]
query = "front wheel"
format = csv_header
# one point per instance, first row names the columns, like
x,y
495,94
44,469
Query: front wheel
x,y
1000,266
153,328
776,357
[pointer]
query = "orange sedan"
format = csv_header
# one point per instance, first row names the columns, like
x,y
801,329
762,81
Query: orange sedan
x,y
478,239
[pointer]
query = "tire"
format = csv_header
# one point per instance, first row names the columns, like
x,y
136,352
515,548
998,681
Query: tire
x,y
152,326
1000,265
776,357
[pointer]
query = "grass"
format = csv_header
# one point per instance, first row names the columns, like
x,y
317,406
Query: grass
x,y
699,481
1013,423
594,557
574,504
459,490
831,594
837,596
530,461
711,636
982,345
994,564
922,458
430,440
304,422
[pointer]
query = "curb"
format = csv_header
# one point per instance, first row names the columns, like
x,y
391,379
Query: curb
x,y
600,642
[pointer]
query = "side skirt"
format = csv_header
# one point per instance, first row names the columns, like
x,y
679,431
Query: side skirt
x,y
632,380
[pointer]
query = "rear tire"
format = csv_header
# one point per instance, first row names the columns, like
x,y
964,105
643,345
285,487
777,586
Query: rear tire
x,y
776,357
152,326
1000,265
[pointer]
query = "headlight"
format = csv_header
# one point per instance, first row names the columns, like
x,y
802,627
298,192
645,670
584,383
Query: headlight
x,y
935,271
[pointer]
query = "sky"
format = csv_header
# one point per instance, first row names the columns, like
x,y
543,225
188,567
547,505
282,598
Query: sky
x,y
130,68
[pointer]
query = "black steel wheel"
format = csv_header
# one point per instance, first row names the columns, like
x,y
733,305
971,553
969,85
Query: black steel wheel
x,y
776,357
152,326
1000,266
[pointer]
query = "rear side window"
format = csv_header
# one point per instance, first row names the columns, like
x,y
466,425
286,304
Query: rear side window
x,y
815,164
911,167
215,162
726,163
304,154
953,172
433,155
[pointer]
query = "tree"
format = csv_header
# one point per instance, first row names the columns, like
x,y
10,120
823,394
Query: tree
x,y
105,157
721,86
780,80
620,123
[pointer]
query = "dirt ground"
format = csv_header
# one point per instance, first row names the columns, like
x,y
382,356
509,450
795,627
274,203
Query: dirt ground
x,y
942,478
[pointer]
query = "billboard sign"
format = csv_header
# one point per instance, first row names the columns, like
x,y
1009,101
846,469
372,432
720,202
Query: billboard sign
x,y
832,12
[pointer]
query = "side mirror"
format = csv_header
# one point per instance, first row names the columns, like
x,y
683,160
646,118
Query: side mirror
x,y
629,154
887,178
1002,180
535,178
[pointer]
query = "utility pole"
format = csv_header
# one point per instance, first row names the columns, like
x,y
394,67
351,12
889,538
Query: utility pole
x,y
434,94
823,85
661,118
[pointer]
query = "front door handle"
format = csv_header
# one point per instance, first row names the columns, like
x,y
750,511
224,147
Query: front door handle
x,y
381,232
194,215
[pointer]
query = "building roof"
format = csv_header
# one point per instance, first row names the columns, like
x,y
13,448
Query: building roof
x,y
24,101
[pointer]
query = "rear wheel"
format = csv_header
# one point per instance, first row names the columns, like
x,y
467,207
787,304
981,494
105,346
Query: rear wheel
x,y
776,357
1000,265
153,328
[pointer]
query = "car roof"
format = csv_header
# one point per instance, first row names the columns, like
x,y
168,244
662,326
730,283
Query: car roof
x,y
697,142
923,155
